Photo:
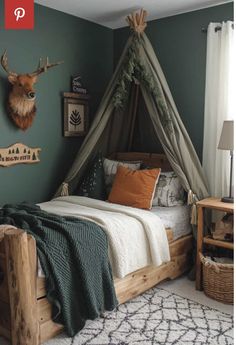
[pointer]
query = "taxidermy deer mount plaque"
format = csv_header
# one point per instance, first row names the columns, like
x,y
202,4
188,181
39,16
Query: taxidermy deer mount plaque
x,y
21,101
18,154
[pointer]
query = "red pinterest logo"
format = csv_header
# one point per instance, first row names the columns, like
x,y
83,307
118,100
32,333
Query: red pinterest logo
x,y
19,14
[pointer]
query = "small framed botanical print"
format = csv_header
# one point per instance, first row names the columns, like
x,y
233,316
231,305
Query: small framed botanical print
x,y
76,112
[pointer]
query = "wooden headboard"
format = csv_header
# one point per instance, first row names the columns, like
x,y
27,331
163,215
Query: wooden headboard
x,y
153,160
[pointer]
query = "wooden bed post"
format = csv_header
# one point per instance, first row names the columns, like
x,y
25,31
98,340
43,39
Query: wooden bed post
x,y
22,288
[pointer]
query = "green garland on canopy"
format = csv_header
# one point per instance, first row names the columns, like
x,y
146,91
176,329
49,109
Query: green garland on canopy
x,y
121,93
133,68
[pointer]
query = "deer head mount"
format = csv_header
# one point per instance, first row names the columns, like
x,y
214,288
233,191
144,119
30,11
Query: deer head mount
x,y
21,101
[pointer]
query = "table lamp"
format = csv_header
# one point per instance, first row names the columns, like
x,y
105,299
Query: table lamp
x,y
227,143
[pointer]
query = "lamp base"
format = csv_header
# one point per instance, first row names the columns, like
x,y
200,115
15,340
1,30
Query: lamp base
x,y
227,199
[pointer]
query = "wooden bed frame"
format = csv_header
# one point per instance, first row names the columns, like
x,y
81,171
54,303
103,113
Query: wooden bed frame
x,y
25,313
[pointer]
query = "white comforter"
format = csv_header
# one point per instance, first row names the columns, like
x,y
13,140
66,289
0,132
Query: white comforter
x,y
137,238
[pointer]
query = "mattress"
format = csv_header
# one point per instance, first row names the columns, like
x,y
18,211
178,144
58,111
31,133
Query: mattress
x,y
176,217
129,231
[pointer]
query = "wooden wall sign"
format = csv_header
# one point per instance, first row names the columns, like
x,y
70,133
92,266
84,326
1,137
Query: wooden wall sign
x,y
18,154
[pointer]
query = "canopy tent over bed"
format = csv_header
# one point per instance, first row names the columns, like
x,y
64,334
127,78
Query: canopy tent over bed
x,y
139,74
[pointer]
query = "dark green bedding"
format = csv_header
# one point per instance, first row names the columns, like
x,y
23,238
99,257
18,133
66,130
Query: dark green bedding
x,y
74,256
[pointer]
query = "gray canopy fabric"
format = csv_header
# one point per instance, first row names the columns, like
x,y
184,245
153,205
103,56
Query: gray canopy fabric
x,y
113,121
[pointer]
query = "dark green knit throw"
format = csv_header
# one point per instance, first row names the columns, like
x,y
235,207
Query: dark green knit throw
x,y
74,257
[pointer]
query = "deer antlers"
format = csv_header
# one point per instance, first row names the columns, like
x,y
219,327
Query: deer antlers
x,y
4,63
41,68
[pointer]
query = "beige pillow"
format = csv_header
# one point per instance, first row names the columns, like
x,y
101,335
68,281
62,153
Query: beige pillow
x,y
110,170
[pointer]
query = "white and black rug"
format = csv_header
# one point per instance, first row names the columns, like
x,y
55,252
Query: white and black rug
x,y
156,317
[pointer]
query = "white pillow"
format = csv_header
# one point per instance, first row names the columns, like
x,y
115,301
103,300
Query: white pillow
x,y
110,170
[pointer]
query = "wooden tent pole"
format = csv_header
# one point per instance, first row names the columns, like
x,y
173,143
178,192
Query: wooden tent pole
x,y
134,108
137,21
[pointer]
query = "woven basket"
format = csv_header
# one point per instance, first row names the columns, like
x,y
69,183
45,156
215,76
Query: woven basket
x,y
218,280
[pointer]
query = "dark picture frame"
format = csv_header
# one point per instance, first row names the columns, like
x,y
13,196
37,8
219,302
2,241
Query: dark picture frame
x,y
76,114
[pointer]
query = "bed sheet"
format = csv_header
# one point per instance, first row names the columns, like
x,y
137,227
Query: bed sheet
x,y
176,217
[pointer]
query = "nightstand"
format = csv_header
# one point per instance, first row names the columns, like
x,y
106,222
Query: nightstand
x,y
213,204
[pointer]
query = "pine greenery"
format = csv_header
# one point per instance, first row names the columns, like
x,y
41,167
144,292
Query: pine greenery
x,y
133,68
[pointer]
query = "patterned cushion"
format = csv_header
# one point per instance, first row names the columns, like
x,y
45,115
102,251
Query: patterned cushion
x,y
110,169
134,188
169,191
93,185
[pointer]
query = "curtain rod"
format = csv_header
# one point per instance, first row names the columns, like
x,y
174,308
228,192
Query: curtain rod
x,y
218,28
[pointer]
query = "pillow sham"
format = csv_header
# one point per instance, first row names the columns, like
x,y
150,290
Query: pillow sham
x,y
110,169
169,191
134,187
93,185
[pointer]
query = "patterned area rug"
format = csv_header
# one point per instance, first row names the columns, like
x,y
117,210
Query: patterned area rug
x,y
157,317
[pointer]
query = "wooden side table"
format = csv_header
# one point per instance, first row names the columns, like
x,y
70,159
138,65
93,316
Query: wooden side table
x,y
213,204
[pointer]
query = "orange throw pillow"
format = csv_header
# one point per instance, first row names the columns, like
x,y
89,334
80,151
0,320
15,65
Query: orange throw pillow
x,y
134,188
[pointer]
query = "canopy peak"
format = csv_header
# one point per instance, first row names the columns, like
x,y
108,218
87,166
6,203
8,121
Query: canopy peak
x,y
136,21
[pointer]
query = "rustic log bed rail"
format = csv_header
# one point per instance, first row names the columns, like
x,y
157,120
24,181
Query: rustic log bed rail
x,y
25,313
25,316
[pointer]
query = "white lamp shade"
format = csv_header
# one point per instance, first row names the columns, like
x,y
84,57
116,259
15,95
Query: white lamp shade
x,y
227,136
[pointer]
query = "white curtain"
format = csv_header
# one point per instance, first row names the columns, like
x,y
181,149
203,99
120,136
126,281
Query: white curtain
x,y
219,104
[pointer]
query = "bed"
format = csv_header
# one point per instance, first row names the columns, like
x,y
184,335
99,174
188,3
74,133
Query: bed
x,y
25,316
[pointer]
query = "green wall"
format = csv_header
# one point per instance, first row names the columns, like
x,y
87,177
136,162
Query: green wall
x,y
90,50
87,49
181,49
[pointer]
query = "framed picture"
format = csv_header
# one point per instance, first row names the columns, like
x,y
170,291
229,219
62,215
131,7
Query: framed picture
x,y
76,112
